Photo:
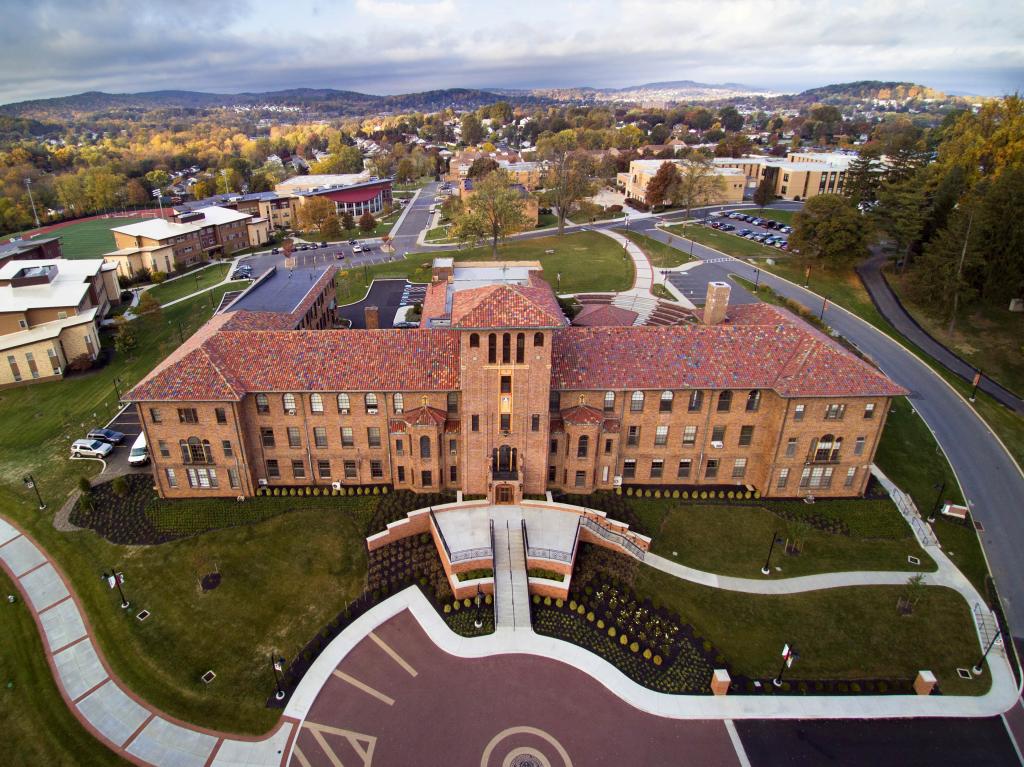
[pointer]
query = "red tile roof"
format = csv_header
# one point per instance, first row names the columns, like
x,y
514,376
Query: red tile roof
x,y
761,347
226,365
604,315
246,320
582,414
434,300
508,306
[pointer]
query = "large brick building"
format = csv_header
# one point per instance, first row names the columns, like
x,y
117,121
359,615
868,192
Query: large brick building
x,y
496,394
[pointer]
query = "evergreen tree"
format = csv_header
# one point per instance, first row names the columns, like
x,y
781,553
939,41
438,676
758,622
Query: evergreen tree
x,y
829,229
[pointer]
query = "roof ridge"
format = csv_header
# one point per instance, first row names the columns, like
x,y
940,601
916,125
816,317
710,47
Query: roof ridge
x,y
216,367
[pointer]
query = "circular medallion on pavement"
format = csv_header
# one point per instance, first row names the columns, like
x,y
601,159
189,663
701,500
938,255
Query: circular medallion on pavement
x,y
530,747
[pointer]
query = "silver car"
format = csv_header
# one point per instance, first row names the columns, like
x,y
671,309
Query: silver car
x,y
91,448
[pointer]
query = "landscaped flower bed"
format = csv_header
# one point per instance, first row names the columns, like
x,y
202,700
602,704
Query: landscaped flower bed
x,y
472,575
648,644
396,505
121,518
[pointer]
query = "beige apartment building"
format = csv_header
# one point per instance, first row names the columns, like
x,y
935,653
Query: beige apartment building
x,y
193,236
800,176
634,182
49,315
496,394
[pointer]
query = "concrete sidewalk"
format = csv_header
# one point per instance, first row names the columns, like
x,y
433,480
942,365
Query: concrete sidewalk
x,y
128,725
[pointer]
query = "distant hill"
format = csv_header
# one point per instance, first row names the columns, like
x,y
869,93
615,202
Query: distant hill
x,y
321,100
870,89
667,92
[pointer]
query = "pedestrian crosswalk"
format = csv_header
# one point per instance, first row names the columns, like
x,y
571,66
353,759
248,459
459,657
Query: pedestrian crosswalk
x,y
718,260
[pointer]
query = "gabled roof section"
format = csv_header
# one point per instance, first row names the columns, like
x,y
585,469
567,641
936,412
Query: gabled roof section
x,y
508,306
582,414
759,347
423,416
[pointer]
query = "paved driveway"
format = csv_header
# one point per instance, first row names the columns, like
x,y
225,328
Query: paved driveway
x,y
386,295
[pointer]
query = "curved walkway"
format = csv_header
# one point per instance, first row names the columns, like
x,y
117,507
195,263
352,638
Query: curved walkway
x,y
146,736
128,725
890,307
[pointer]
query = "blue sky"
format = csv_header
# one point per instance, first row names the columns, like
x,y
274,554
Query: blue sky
x,y
58,47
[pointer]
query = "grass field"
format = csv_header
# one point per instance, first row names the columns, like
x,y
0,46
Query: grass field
x,y
989,337
192,283
90,239
733,540
846,633
661,255
587,261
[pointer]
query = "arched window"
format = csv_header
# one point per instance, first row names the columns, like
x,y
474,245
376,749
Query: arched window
x,y
194,450
582,446
724,401
826,449
370,400
520,348
474,340
506,347
424,447
636,401
609,401
316,403
753,400
288,400
262,404
696,401
538,339
399,402
343,403
665,406
492,348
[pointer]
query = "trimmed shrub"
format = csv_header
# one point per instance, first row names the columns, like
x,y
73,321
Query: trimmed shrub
x,y
467,602
547,601
376,490
657,494
675,493
647,653
612,632
447,609
590,616
600,623
623,640
629,491
581,609
83,485
703,495
634,647
559,603
457,605
685,495
730,495
657,660
536,599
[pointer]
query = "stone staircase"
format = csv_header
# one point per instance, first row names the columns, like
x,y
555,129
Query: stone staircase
x,y
643,305
512,597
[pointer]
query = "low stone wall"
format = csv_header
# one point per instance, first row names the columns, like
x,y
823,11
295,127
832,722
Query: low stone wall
x,y
546,587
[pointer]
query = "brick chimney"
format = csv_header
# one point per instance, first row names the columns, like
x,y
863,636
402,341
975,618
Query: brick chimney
x,y
443,270
717,302
372,315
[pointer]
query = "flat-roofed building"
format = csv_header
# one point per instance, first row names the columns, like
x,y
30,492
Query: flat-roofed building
x,y
49,310
35,249
635,181
353,193
800,176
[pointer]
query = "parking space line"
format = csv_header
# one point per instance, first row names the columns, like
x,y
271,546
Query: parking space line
x,y
297,753
737,744
326,748
393,653
364,687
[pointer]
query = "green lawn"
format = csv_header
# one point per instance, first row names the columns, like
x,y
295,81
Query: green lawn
x,y
588,261
734,540
546,219
988,337
192,283
848,633
660,254
726,242
776,214
660,291
90,239
439,233
412,186
38,727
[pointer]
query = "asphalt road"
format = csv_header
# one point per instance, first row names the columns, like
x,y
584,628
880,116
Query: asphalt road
x,y
991,481
891,308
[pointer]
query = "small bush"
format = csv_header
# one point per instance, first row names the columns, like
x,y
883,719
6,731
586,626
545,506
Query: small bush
x,y
572,604
590,616
703,495
447,609
685,495
623,640
559,603
657,660
456,605
581,609
547,601
629,491
657,494
854,687
647,653
612,632
730,495
600,623
536,599
84,486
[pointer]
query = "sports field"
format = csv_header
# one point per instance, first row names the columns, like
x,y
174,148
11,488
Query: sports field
x,y
91,238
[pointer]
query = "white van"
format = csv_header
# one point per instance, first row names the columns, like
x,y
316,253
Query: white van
x,y
139,455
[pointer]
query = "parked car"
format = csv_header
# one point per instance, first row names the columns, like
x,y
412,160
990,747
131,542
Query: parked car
x,y
106,435
357,248
351,242
242,273
744,232
304,246
727,227
139,454
322,245
91,448
275,251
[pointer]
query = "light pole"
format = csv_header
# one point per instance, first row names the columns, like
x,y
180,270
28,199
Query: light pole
x,y
824,305
478,623
789,654
28,186
117,389
160,200
766,570
31,484
757,279
277,664
975,382
977,669
938,499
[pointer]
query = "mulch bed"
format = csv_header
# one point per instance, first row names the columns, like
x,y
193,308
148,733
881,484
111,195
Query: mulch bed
x,y
394,506
121,518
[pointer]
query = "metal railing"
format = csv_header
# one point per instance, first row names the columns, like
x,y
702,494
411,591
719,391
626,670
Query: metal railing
x,y
610,535
461,556
494,566
554,554
440,533
906,506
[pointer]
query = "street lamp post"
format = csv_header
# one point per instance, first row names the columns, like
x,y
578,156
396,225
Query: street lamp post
x,y
31,484
117,389
824,306
977,669
28,187
975,382
277,664
478,623
160,200
766,570
938,500
757,279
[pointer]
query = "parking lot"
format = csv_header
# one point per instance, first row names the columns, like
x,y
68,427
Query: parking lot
x,y
388,296
763,230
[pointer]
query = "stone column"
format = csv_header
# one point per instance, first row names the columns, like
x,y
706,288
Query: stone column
x,y
924,683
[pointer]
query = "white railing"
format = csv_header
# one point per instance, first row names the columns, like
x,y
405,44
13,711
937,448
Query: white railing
x,y
907,508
